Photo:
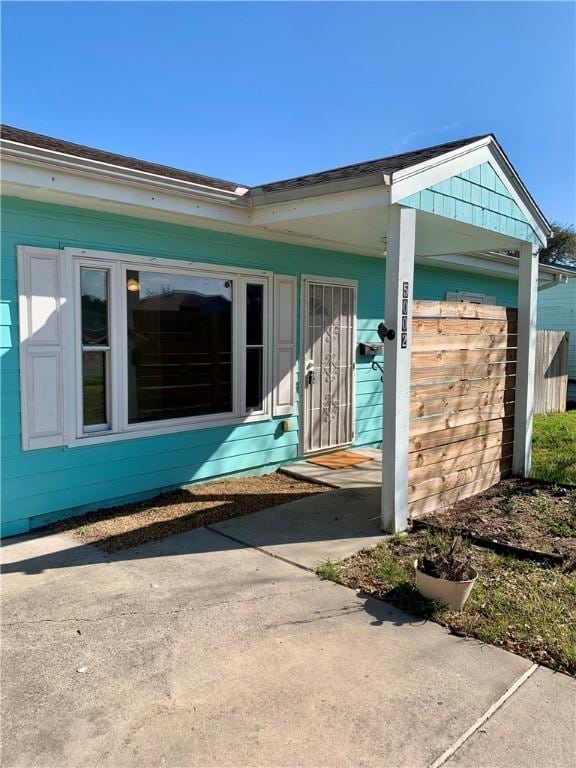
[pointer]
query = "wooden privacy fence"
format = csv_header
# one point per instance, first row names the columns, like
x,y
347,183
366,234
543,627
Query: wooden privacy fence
x,y
461,401
551,375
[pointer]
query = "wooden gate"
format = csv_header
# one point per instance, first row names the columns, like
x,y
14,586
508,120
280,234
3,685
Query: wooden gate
x,y
462,401
551,372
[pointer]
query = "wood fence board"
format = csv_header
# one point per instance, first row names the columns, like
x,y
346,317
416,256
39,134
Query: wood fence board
x,y
478,445
419,426
460,462
422,360
457,373
463,341
424,392
457,434
443,483
448,498
438,405
450,325
443,309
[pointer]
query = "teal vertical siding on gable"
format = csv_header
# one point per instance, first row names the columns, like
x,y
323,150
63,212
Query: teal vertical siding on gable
x,y
478,197
41,485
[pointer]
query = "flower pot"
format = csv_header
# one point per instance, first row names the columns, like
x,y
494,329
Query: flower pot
x,y
451,593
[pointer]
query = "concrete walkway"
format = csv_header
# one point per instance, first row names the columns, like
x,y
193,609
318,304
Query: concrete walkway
x,y
202,650
365,475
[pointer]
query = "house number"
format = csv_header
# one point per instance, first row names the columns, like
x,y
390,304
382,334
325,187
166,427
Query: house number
x,y
404,323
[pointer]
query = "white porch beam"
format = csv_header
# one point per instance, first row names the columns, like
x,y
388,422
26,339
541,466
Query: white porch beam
x,y
397,354
524,408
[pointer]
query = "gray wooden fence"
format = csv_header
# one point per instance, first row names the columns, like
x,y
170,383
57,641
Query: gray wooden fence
x,y
551,379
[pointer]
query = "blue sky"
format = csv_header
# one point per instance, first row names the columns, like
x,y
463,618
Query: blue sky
x,y
255,92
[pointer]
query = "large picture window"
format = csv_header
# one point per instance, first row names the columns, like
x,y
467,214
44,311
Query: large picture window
x,y
179,345
162,347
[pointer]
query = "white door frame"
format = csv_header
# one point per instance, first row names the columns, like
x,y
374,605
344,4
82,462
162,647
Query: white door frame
x,y
328,280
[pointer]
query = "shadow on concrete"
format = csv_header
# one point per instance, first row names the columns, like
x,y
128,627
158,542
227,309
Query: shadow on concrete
x,y
333,518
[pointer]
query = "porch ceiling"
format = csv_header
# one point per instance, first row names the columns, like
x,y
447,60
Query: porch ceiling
x,y
366,230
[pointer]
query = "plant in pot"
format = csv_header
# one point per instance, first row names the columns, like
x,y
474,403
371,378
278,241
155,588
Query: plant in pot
x,y
445,572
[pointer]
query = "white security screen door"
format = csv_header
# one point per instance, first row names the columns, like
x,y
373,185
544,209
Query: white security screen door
x,y
329,311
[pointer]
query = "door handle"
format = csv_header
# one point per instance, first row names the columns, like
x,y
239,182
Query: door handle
x,y
311,376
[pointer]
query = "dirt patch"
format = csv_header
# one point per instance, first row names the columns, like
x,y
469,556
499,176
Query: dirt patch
x,y
129,525
519,513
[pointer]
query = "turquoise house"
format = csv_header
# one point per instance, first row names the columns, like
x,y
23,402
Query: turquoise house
x,y
160,328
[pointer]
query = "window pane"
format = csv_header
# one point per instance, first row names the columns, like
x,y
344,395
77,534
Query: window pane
x,y
94,388
179,345
254,308
254,358
94,287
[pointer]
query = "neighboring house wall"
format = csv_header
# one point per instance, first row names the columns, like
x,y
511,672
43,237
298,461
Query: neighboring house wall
x,y
557,312
42,485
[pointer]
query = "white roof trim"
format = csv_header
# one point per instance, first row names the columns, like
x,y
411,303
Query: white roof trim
x,y
496,263
60,160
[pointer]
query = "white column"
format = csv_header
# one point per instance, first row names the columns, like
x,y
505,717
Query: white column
x,y
397,353
524,408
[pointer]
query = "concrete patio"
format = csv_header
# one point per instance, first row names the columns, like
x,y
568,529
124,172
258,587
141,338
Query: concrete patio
x,y
220,648
365,475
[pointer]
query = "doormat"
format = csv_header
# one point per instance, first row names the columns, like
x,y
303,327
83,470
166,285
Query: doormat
x,y
340,459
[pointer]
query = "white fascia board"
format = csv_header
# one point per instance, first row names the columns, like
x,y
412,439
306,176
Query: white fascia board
x,y
258,197
34,181
550,269
47,157
424,175
353,200
499,265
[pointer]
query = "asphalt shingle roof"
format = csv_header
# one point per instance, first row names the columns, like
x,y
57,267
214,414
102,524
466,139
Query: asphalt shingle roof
x,y
79,150
384,165
381,165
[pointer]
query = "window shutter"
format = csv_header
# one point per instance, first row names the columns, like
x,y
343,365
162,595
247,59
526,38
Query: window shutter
x,y
452,296
284,345
40,347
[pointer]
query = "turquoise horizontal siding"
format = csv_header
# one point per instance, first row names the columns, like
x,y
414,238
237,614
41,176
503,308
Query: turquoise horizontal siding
x,y
478,197
41,485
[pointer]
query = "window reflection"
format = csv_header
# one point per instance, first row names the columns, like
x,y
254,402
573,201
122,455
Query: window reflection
x,y
179,345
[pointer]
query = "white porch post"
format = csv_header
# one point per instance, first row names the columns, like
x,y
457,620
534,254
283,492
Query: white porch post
x,y
524,408
397,354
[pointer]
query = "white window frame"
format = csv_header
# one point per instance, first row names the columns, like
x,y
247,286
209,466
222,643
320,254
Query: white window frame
x,y
471,296
82,431
118,264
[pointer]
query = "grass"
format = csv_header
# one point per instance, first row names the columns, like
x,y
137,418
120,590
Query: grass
x,y
554,448
519,605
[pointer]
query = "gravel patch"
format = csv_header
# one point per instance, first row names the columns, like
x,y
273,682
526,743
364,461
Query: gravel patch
x,y
129,525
